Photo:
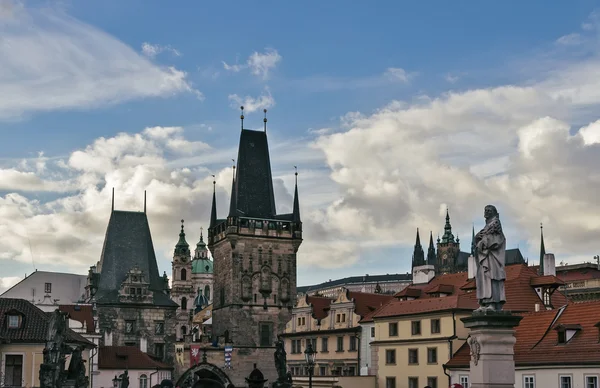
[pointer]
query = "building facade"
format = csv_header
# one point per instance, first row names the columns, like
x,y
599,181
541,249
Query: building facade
x,y
133,306
419,331
23,335
47,290
554,348
332,327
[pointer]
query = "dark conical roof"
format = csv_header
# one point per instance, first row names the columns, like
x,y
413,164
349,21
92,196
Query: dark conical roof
x,y
418,258
448,237
127,244
253,181
296,211
431,258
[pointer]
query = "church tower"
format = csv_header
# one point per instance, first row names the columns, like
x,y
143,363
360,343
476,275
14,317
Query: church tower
x,y
182,289
202,275
254,251
448,249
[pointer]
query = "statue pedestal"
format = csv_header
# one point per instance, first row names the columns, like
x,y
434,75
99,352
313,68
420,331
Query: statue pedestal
x,y
492,344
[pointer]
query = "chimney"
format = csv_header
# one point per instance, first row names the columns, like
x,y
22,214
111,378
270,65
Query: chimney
x,y
472,267
549,264
423,274
144,344
108,340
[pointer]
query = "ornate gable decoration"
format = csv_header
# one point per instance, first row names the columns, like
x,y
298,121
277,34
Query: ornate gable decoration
x,y
135,288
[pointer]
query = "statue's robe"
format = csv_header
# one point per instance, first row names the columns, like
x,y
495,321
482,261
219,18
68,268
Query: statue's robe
x,y
491,256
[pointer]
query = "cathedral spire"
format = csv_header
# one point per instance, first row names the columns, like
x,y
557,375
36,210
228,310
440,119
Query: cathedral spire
x,y
473,245
448,237
542,250
213,210
418,258
431,258
182,246
233,202
296,213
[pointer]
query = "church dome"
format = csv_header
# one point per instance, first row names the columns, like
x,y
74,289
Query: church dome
x,y
202,266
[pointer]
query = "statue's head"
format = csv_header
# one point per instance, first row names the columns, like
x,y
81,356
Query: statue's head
x,y
490,211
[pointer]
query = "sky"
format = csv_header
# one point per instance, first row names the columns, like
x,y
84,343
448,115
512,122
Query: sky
x,y
393,113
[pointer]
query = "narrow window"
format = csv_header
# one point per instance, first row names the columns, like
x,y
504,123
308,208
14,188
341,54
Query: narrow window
x,y
528,381
393,328
565,382
432,355
390,382
435,326
143,381
207,292
591,382
413,356
324,344
464,381
413,382
159,350
13,370
183,274
432,382
159,328
416,327
129,327
47,288
183,303
390,356
265,334
372,332
340,344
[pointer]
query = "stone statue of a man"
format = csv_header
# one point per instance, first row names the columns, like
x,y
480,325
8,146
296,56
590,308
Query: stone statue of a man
x,y
490,258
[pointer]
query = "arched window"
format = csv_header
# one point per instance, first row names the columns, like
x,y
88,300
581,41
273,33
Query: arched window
x,y
143,381
184,303
183,330
207,292
183,274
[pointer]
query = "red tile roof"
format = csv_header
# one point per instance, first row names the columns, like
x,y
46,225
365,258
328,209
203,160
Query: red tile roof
x,y
441,288
520,295
320,306
409,291
127,357
34,328
365,303
548,280
537,343
80,313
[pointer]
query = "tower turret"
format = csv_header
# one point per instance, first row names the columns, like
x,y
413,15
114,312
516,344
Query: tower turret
x,y
418,258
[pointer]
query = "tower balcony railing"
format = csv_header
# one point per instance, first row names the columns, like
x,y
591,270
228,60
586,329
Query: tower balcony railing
x,y
255,227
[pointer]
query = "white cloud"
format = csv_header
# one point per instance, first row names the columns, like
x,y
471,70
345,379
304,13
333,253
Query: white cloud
x,y
398,74
451,78
252,104
152,50
8,282
51,61
259,64
570,39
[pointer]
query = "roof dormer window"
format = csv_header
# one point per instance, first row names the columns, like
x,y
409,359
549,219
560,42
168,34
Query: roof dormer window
x,y
14,321
566,332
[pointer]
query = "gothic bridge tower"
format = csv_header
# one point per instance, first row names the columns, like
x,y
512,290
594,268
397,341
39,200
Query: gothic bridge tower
x,y
254,251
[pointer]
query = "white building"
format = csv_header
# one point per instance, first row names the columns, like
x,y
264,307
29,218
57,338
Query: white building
x,y
555,348
47,290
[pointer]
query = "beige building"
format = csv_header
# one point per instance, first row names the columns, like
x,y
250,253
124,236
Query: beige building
x,y
332,327
23,332
554,348
420,330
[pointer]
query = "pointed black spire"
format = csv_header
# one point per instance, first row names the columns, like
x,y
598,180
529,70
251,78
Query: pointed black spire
x,y
448,237
296,214
213,211
473,245
233,202
542,250
418,258
265,120
144,201
112,206
242,116
431,258
182,247
254,182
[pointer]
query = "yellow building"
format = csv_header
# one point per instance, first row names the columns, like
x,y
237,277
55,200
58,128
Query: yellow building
x,y
418,332
23,332
332,327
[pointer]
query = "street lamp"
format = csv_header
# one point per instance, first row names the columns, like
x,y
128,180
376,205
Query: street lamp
x,y
309,355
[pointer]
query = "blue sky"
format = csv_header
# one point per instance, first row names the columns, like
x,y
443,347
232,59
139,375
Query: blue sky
x,y
355,95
